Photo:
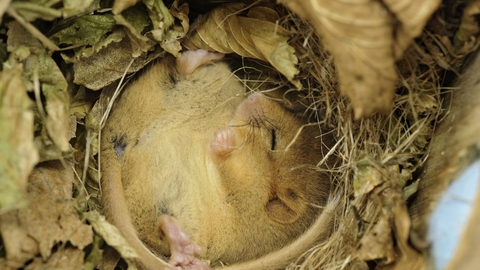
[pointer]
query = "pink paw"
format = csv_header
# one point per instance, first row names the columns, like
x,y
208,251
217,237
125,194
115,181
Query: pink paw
x,y
223,142
181,247
189,61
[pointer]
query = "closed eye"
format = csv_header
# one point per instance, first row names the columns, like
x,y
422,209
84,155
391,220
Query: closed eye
x,y
274,139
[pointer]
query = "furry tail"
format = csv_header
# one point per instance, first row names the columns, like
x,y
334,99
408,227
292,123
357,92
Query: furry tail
x,y
116,211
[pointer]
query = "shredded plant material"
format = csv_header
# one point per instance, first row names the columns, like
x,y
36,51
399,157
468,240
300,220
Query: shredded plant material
x,y
351,60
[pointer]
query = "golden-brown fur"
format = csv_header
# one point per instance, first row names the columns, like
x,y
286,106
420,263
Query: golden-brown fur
x,y
238,174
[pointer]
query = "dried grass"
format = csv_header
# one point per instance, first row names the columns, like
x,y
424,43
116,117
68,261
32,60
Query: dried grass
x,y
398,138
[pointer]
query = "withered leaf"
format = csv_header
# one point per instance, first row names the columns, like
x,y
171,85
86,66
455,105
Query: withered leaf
x,y
50,219
135,21
3,7
73,7
109,42
264,13
65,258
42,67
466,37
84,30
121,5
108,65
163,21
362,40
377,244
366,178
42,76
255,34
112,236
18,154
395,207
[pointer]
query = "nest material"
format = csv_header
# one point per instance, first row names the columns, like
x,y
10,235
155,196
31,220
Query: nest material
x,y
377,157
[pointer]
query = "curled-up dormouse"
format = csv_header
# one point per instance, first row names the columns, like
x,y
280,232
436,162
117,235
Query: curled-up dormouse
x,y
194,169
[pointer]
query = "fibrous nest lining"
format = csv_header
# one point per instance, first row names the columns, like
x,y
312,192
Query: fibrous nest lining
x,y
377,156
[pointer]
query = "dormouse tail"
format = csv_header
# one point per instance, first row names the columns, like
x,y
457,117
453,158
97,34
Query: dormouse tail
x,y
116,211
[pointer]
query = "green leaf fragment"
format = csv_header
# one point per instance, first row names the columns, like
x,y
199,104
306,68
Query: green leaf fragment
x,y
159,14
85,30
95,255
135,20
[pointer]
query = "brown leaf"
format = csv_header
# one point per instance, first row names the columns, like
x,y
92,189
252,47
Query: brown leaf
x,y
408,258
241,43
359,36
65,258
411,16
387,241
377,244
113,237
263,13
112,62
466,37
18,245
255,34
49,220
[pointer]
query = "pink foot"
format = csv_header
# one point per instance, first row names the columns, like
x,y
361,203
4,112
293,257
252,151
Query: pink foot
x,y
189,61
223,142
181,247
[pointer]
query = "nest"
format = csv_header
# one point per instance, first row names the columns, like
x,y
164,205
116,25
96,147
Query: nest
x,y
377,156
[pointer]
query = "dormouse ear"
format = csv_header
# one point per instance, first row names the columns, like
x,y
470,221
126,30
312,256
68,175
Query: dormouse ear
x,y
285,206
189,61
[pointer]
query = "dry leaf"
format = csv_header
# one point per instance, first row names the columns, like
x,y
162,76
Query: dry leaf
x,y
74,7
361,36
112,236
256,34
466,37
377,244
407,257
84,30
42,76
3,7
66,258
100,44
366,178
121,5
135,22
112,61
387,240
411,16
18,154
50,219
163,21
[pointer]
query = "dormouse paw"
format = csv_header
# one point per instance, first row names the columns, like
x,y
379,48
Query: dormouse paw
x,y
181,247
223,142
